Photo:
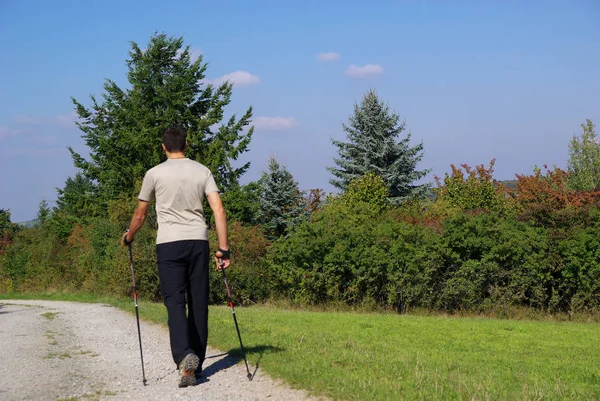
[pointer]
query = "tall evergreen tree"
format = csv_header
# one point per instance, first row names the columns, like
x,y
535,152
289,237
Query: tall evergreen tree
x,y
282,204
43,212
584,159
372,147
123,131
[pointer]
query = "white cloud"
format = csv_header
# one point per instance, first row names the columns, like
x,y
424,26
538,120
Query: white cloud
x,y
326,57
365,71
9,132
63,120
275,123
239,78
44,141
32,120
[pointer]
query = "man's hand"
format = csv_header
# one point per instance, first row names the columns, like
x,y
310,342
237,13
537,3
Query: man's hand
x,y
127,239
222,257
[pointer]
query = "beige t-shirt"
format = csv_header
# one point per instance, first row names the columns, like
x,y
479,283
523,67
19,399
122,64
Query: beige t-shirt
x,y
179,187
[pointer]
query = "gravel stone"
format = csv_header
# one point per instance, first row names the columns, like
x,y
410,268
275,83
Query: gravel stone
x,y
55,350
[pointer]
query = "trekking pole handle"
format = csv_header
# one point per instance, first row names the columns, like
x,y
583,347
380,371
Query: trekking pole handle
x,y
225,280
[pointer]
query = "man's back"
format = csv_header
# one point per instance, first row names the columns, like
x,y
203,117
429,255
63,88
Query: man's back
x,y
179,187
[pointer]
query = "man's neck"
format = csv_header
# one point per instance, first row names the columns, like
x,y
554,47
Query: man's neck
x,y
176,155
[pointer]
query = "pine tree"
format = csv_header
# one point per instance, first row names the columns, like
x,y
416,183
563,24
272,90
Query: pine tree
x,y
124,130
584,159
372,147
282,204
43,212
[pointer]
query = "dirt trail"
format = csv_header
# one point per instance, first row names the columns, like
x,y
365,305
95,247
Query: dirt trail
x,y
52,350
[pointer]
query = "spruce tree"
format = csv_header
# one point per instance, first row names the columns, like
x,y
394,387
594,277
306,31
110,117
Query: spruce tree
x,y
373,147
282,204
43,212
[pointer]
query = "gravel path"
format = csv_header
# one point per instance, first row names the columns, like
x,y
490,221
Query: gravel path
x,y
53,350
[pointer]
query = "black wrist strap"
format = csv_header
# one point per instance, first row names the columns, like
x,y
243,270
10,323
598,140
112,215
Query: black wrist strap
x,y
125,239
226,254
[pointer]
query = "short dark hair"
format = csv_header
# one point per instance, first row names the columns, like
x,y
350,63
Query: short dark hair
x,y
174,139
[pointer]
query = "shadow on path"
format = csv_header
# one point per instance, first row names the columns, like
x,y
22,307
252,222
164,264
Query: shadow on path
x,y
4,310
233,357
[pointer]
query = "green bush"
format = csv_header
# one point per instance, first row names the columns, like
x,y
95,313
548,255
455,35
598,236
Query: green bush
x,y
506,260
369,188
32,261
419,262
579,288
469,285
13,270
310,266
473,189
342,255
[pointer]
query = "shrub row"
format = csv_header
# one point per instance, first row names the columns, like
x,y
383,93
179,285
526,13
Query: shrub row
x,y
471,261
476,247
90,258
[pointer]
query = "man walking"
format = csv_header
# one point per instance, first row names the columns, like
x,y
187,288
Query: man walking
x,y
179,186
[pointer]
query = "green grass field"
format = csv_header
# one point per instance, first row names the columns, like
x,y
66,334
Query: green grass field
x,y
355,356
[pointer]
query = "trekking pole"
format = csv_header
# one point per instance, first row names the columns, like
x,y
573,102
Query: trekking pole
x,y
137,315
235,319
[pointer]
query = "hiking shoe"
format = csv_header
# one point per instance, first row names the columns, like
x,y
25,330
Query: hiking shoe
x,y
187,369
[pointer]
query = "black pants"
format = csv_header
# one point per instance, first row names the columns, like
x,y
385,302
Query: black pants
x,y
183,271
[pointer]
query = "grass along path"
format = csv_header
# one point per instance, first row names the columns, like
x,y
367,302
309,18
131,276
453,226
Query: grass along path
x,y
384,356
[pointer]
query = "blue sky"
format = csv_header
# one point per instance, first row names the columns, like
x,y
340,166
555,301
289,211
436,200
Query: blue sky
x,y
474,80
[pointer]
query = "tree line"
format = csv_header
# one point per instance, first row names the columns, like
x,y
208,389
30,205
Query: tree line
x,y
468,242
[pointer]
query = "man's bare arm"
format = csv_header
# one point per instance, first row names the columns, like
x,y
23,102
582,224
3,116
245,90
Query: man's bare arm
x,y
137,221
214,200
